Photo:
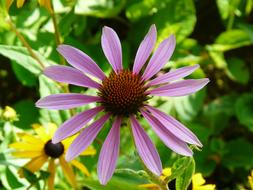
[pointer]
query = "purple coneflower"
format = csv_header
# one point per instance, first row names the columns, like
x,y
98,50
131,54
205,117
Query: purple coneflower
x,y
123,94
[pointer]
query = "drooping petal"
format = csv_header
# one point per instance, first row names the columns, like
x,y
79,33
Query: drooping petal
x,y
20,3
146,148
74,124
160,57
85,138
68,172
173,75
65,101
109,153
70,75
81,61
174,126
180,88
166,136
145,49
112,48
36,163
51,170
80,166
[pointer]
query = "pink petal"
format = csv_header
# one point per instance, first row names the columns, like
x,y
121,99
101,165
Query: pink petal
x,y
70,75
174,126
85,138
166,136
65,101
160,57
81,61
173,75
145,49
112,48
146,148
109,153
74,124
180,88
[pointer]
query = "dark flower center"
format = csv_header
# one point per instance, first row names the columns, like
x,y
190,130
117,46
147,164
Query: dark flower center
x,y
54,150
122,93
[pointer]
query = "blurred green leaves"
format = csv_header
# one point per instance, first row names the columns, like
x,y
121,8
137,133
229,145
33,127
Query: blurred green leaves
x,y
244,110
170,17
99,8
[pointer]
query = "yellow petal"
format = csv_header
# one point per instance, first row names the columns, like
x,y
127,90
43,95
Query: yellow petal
x,y
150,186
8,4
205,187
67,142
68,172
34,164
27,154
52,128
80,166
29,138
46,4
250,178
166,173
26,146
20,3
198,183
51,169
41,2
41,132
89,151
197,180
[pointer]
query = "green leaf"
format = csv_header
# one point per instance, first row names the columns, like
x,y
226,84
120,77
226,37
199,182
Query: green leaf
x,y
170,17
144,8
114,183
12,179
239,154
186,107
232,39
48,87
184,180
22,57
23,75
28,114
177,17
217,56
237,70
178,168
30,176
218,112
223,6
99,8
244,110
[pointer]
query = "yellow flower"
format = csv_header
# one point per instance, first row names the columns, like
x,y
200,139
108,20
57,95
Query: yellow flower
x,y
198,182
9,114
20,3
250,178
40,150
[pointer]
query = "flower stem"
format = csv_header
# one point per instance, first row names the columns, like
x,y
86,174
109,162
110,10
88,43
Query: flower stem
x,y
154,178
57,33
24,42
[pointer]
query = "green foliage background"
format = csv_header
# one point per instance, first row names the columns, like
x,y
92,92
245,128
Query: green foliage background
x,y
218,35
